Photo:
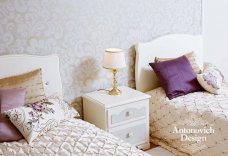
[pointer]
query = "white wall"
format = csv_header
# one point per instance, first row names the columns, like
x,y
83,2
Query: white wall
x,y
215,31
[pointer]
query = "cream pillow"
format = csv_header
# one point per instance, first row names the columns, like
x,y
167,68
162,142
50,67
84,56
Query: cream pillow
x,y
34,120
211,79
211,67
68,110
31,82
210,82
191,58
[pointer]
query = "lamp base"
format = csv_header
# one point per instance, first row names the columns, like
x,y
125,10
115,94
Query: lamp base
x,y
115,91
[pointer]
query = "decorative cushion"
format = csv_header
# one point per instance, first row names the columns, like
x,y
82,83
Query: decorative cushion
x,y
211,67
176,77
68,110
34,120
211,79
31,82
191,58
10,99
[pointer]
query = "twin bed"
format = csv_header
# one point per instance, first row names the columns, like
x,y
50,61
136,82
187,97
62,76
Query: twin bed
x,y
194,124
72,136
203,112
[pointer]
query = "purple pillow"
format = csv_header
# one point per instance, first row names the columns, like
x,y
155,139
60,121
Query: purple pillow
x,y
10,99
176,77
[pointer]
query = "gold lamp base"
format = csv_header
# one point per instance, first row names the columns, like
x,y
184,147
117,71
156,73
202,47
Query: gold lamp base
x,y
115,91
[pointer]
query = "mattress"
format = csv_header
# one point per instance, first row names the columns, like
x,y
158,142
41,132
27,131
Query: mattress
x,y
195,124
72,137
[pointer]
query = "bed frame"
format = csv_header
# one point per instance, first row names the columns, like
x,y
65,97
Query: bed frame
x,y
11,65
167,46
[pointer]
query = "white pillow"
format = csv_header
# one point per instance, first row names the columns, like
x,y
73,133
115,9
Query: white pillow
x,y
210,82
211,67
211,79
69,111
36,119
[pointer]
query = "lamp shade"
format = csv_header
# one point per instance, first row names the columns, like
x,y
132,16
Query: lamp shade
x,y
114,59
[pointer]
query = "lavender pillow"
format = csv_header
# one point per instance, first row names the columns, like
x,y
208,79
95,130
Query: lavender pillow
x,y
9,99
176,77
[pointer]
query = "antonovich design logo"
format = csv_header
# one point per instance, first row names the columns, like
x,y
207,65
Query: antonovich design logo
x,y
193,134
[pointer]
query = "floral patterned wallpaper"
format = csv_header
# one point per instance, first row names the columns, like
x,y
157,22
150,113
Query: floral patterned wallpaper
x,y
79,31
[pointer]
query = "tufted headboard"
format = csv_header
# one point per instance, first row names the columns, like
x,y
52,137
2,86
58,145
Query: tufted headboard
x,y
11,65
169,46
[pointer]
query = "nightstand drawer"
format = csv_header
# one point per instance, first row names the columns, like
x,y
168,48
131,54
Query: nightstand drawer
x,y
134,134
128,112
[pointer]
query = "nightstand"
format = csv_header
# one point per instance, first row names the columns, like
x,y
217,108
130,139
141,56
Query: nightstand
x,y
125,116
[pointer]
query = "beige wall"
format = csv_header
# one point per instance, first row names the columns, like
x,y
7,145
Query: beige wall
x,y
80,30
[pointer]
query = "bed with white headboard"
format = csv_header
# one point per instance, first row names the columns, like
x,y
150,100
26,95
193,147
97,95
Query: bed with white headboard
x,y
70,136
196,110
168,46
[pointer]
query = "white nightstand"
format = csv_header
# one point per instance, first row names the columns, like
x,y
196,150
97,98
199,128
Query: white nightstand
x,y
126,115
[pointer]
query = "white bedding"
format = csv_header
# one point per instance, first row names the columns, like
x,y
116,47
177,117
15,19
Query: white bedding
x,y
190,113
72,137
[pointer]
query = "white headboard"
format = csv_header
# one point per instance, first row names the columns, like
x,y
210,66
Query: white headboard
x,y
167,46
17,64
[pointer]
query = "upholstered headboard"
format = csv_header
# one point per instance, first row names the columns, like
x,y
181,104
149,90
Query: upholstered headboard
x,y
167,46
17,64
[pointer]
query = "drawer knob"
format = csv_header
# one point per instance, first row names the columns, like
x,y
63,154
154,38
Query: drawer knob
x,y
128,113
129,135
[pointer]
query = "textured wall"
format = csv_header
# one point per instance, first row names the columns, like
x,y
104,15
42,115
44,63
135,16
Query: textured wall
x,y
80,30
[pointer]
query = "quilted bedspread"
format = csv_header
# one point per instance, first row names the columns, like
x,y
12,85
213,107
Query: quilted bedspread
x,y
71,138
195,124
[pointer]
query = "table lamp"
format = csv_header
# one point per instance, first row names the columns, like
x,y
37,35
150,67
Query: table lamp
x,y
114,60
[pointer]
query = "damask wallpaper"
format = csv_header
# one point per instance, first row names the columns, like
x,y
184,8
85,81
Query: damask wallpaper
x,y
79,32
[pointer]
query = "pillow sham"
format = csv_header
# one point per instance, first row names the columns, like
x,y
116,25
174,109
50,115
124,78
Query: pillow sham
x,y
210,82
211,67
31,82
211,79
10,99
191,58
34,120
176,77
68,110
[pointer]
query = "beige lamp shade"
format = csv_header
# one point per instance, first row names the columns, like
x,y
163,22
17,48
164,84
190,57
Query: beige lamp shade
x,y
114,59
